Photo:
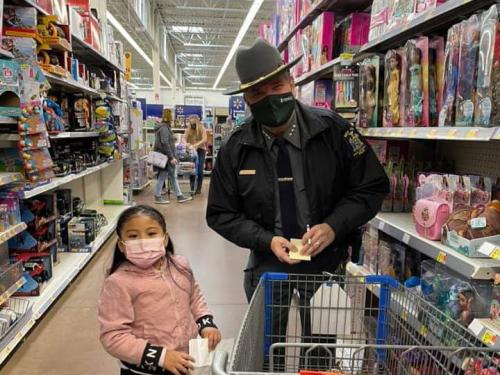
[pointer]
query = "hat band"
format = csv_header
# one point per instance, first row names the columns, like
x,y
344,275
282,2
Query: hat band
x,y
245,86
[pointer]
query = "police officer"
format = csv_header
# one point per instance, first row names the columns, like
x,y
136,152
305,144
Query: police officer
x,y
288,168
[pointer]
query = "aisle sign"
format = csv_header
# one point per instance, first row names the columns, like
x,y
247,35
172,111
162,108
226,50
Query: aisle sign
x,y
237,106
128,66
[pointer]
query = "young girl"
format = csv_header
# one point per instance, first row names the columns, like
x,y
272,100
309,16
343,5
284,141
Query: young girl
x,y
151,306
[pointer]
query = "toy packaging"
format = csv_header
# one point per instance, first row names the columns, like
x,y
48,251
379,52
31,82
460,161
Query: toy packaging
x,y
451,63
346,87
391,89
352,32
9,89
384,257
369,89
461,299
436,75
379,18
402,11
487,106
318,93
417,83
322,31
468,58
424,5
23,49
306,45
295,51
19,21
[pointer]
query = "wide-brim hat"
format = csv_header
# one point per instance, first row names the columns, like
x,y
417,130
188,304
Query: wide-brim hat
x,y
257,64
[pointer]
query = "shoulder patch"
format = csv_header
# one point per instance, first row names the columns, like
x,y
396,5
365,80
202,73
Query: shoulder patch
x,y
355,141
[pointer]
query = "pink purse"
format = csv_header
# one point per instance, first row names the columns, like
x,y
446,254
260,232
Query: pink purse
x,y
430,216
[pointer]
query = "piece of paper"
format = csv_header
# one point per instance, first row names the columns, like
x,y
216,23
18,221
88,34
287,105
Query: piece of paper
x,y
296,249
198,349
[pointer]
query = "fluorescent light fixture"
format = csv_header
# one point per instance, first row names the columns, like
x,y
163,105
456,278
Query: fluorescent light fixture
x,y
214,9
207,45
182,54
254,8
198,66
188,29
191,76
132,42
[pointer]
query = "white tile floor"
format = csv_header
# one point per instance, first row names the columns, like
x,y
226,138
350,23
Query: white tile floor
x,y
66,341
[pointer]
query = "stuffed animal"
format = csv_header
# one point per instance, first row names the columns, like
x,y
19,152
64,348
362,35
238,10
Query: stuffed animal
x,y
459,221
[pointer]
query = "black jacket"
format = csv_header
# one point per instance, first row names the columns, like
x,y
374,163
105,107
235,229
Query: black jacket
x,y
165,141
344,180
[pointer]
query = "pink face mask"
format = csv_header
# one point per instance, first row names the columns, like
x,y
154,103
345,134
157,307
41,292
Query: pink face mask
x,y
144,253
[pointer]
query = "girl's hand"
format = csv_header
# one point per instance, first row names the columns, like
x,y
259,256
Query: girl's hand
x,y
213,335
178,362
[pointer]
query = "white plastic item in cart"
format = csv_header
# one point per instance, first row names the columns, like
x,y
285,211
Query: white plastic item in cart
x,y
198,349
331,311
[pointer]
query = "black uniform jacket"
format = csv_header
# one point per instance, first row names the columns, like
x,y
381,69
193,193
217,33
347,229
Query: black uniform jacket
x,y
344,181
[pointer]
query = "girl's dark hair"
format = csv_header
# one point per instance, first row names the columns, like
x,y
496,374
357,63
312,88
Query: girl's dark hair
x,y
119,258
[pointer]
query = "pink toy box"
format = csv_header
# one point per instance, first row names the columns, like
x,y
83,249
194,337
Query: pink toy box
x,y
318,93
353,32
321,44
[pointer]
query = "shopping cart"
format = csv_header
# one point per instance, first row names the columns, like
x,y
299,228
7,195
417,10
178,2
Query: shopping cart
x,y
350,325
185,168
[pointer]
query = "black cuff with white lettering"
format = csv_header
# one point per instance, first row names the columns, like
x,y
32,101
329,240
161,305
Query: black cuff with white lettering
x,y
205,322
151,358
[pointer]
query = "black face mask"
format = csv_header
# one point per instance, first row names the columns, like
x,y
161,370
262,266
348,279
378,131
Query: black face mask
x,y
274,110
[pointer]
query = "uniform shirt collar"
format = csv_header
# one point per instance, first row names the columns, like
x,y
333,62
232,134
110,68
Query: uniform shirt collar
x,y
292,135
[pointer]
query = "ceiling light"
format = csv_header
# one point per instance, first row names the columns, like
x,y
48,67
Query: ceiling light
x,y
187,29
190,76
241,34
197,66
214,9
190,54
206,45
132,42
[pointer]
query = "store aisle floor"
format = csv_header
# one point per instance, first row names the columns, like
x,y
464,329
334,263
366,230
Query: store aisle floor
x,y
66,341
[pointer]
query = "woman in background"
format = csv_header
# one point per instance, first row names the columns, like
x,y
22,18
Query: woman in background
x,y
196,137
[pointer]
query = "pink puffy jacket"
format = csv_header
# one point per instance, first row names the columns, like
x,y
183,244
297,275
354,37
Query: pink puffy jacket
x,y
149,307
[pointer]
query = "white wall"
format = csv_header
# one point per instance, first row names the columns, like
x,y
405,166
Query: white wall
x,y
212,98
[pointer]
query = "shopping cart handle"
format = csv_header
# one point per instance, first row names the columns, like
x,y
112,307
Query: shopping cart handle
x,y
219,363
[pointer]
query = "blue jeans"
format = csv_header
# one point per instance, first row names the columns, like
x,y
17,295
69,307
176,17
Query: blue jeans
x,y
173,171
200,167
162,177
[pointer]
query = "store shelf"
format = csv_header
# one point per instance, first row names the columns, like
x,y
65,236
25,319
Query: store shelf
x,y
9,137
65,271
70,85
59,181
10,177
401,227
141,188
8,121
342,6
11,290
318,73
12,231
89,55
428,22
65,135
441,133
112,97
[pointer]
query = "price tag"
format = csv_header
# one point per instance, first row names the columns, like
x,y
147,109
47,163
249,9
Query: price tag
x,y
406,238
471,134
423,331
401,132
441,257
478,223
495,254
377,132
413,133
452,133
489,338
432,133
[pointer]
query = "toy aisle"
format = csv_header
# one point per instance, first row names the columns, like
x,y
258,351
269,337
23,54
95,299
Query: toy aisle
x,y
86,84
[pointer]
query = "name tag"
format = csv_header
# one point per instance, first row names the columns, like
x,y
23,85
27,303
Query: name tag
x,y
285,179
248,172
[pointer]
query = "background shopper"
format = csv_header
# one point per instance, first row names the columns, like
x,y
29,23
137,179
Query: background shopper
x,y
165,143
196,137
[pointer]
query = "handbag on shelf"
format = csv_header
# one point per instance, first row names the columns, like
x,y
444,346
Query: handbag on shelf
x,y
157,159
430,216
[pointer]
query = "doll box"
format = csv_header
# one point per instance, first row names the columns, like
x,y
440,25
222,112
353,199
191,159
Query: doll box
x,y
318,93
322,39
469,248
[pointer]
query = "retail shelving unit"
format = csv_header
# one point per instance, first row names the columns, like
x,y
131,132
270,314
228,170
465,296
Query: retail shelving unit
x,y
100,187
442,133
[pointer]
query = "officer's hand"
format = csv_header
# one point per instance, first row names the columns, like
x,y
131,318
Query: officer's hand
x,y
321,236
281,247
